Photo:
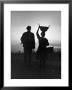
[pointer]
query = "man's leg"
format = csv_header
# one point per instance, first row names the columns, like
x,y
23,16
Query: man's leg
x,y
29,58
25,56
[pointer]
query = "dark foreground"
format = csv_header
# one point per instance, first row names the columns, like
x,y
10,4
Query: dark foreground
x,y
52,69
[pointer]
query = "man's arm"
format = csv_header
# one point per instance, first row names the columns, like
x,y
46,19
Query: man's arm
x,y
22,38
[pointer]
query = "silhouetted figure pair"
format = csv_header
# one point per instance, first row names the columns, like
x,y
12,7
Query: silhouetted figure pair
x,y
42,50
28,42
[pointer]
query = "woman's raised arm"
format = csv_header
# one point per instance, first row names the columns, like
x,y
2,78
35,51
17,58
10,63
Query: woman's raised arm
x,y
37,33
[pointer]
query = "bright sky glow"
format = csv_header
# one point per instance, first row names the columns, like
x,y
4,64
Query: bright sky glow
x,y
21,19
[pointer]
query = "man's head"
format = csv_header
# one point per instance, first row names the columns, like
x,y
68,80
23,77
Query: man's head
x,y
28,28
43,34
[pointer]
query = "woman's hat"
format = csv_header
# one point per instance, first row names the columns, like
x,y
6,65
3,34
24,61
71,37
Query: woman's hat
x,y
44,28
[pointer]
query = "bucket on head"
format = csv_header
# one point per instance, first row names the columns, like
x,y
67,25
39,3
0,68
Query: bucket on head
x,y
43,28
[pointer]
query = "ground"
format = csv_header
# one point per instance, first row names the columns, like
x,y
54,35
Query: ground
x,y
20,70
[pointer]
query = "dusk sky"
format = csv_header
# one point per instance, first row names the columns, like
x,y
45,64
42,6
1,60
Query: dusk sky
x,y
21,19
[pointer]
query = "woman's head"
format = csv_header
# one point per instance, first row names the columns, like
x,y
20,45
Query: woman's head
x,y
43,34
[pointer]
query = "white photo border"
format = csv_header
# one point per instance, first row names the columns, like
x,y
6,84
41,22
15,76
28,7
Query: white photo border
x,y
64,8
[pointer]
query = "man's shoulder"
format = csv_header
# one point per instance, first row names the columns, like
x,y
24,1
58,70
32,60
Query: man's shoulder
x,y
24,33
32,33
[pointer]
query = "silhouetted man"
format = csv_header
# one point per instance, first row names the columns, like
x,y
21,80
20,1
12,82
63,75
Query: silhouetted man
x,y
28,42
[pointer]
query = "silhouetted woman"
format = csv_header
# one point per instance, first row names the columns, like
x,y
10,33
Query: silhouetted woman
x,y
42,50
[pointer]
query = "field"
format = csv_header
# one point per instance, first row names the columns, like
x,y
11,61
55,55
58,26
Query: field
x,y
20,70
